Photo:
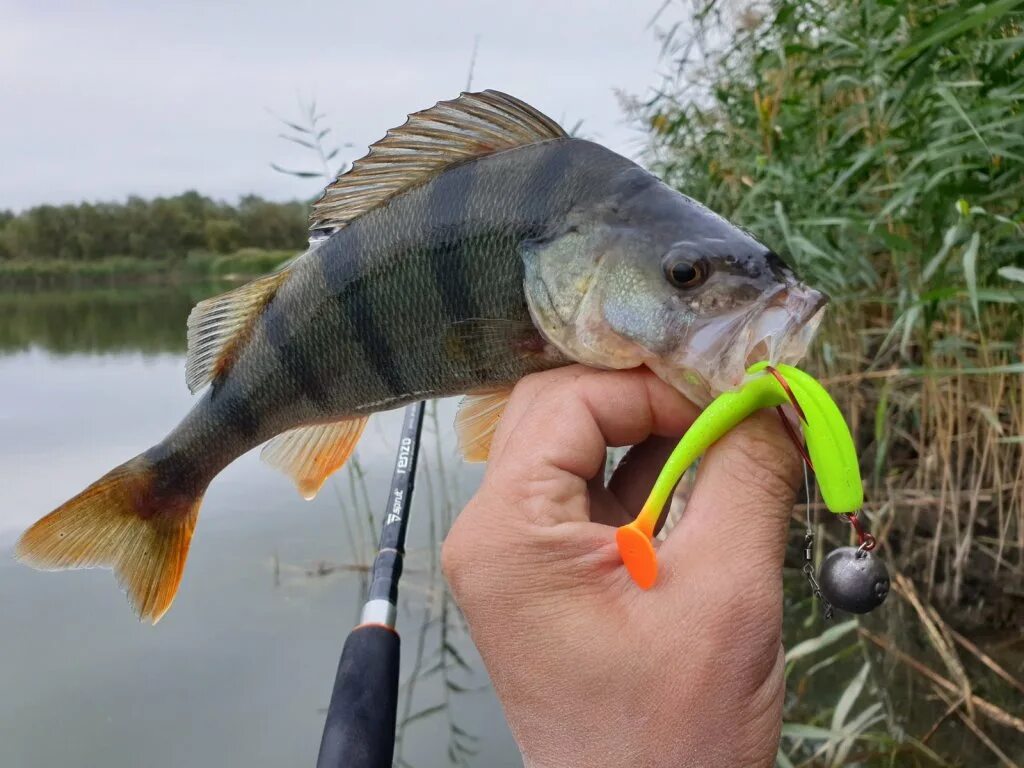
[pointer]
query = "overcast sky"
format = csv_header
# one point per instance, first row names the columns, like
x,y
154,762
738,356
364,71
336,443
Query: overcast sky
x,y
105,99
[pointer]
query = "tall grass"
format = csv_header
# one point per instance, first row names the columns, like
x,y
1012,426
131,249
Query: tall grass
x,y
880,144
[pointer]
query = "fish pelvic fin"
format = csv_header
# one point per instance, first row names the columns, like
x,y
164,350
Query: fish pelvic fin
x,y
450,132
309,455
218,326
477,419
126,521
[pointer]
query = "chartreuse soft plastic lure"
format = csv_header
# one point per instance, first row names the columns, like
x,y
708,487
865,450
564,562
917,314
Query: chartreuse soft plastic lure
x,y
829,444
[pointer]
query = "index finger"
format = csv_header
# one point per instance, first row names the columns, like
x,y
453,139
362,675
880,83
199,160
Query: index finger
x,y
558,425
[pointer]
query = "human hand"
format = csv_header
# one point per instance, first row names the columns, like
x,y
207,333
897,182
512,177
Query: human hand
x,y
591,670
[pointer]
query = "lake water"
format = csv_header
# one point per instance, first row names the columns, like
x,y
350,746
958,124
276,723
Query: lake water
x,y
240,670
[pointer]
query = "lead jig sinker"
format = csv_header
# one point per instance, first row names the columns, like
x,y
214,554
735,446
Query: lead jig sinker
x,y
853,580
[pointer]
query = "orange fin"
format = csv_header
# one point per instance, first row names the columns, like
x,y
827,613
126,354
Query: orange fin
x,y
309,455
120,522
479,414
218,325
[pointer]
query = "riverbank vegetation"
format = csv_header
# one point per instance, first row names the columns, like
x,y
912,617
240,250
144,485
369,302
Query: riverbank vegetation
x,y
880,144
186,236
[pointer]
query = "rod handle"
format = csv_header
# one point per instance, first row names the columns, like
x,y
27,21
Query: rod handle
x,y
360,727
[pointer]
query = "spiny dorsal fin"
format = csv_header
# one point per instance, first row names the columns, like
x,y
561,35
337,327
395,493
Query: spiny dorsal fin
x,y
310,454
216,326
450,132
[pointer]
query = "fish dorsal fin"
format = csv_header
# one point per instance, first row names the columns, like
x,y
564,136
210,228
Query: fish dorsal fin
x,y
309,455
216,327
478,417
450,132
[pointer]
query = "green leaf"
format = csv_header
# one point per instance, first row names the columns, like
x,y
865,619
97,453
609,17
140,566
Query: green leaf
x,y
859,725
846,701
950,99
291,172
953,23
296,140
967,371
1011,273
971,272
809,732
782,760
825,639
1000,297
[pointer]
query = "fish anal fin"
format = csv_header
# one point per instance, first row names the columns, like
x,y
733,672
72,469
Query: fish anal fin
x,y
219,325
309,455
478,417
122,521
450,132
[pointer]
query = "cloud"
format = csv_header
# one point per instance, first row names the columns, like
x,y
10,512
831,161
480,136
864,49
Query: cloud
x,y
104,100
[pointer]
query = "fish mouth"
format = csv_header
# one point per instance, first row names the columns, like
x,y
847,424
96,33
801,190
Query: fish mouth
x,y
778,330
785,328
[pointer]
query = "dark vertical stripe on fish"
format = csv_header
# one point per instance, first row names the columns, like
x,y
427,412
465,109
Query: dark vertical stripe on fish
x,y
342,274
239,412
298,360
542,187
340,260
446,206
176,472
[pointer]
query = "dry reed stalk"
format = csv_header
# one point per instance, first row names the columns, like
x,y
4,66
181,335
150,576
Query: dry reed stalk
x,y
938,635
995,713
954,706
987,660
942,718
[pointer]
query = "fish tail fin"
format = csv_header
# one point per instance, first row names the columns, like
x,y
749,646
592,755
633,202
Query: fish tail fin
x,y
132,520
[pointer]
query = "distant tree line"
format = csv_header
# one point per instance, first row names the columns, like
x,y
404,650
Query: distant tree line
x,y
166,229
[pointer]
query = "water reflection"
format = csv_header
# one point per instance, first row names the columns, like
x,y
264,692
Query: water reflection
x,y
240,670
136,318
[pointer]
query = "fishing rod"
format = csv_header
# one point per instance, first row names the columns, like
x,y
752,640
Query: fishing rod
x,y
360,728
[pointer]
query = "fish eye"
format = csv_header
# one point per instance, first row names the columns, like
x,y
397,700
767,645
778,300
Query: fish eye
x,y
686,273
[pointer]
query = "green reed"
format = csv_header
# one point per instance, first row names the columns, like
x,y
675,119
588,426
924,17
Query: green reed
x,y
879,144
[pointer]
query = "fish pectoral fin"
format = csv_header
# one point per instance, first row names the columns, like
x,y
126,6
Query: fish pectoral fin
x,y
485,342
218,325
309,455
478,417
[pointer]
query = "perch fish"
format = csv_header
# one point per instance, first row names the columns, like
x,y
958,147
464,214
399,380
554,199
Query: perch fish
x,y
473,245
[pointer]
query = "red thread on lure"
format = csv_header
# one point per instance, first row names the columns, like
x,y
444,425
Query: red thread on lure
x,y
864,539
785,422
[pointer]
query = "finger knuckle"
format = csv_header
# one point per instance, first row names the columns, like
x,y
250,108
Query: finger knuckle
x,y
454,558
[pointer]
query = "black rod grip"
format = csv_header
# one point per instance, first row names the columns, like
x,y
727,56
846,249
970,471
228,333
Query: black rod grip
x,y
360,727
